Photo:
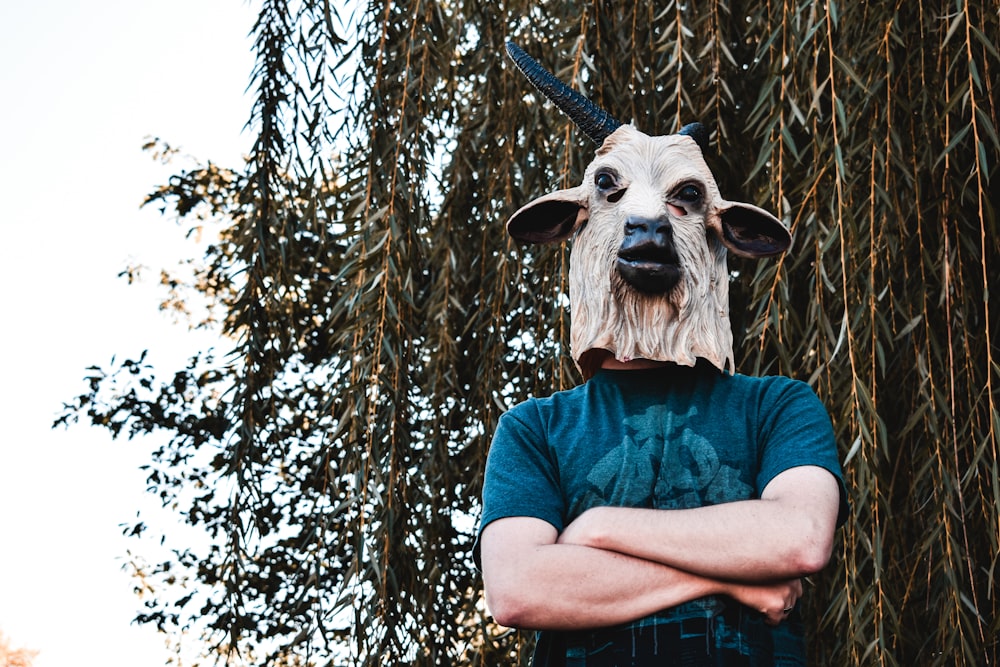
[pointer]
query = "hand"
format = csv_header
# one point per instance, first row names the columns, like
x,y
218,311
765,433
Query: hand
x,y
775,600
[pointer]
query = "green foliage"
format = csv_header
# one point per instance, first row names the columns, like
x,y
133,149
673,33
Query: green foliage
x,y
380,320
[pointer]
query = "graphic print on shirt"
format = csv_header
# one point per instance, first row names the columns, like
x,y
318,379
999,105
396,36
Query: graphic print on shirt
x,y
663,464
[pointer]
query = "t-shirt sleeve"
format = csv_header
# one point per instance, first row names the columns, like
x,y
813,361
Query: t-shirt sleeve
x,y
521,477
796,431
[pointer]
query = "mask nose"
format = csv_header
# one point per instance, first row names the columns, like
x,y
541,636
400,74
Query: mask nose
x,y
640,230
647,258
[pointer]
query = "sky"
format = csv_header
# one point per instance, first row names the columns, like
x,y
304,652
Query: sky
x,y
83,86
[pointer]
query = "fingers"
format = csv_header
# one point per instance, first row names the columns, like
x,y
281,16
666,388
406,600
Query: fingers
x,y
774,617
774,600
784,604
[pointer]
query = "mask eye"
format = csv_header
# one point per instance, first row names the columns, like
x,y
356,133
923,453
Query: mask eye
x,y
689,194
605,180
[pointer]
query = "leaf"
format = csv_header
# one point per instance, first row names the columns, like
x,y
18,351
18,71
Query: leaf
x,y
331,457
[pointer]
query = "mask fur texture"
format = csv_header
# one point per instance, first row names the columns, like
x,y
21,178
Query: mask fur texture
x,y
661,184
690,321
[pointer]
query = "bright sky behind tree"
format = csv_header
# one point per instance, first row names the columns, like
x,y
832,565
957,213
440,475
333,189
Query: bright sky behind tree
x,y
84,85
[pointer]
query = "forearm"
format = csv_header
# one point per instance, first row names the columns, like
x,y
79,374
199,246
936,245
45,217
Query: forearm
x,y
779,536
569,587
711,541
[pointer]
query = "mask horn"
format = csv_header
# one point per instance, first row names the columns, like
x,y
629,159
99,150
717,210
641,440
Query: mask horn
x,y
697,132
594,121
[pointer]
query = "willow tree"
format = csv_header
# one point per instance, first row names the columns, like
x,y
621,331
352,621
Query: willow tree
x,y
378,321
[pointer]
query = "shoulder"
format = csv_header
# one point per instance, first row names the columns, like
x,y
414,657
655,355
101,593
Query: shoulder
x,y
765,382
535,409
780,407
774,390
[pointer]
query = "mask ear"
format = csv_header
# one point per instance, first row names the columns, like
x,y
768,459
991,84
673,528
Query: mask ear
x,y
749,231
551,218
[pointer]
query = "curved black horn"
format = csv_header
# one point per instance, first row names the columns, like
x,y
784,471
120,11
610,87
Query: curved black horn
x,y
595,122
697,132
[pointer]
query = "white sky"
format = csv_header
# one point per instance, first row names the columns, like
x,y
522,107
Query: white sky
x,y
82,84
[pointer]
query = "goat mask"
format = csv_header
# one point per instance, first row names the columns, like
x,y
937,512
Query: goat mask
x,y
648,276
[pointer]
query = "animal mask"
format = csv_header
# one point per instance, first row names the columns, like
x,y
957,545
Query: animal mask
x,y
648,276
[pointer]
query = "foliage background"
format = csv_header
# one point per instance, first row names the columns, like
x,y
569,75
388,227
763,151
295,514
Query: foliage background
x,y
379,321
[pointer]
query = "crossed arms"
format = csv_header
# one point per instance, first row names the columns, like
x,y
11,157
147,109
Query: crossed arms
x,y
613,565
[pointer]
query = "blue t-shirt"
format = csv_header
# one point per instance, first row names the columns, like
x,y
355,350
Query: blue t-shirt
x,y
674,437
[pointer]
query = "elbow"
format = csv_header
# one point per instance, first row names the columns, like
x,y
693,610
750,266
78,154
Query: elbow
x,y
509,608
812,554
811,562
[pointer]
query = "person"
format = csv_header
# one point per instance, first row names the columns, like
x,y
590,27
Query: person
x,y
632,522
665,511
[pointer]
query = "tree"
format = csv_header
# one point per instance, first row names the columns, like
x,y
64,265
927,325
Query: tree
x,y
10,657
380,321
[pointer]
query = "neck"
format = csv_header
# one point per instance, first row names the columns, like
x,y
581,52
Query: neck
x,y
609,362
